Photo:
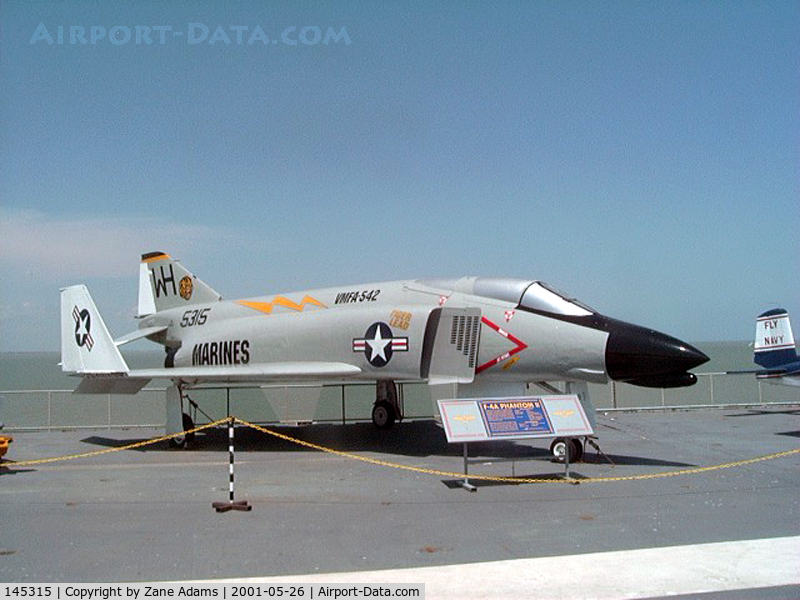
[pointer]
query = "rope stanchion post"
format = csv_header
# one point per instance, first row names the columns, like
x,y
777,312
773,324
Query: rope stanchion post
x,y
231,504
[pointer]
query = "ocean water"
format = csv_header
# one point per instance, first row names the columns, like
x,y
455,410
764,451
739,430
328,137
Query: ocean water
x,y
41,370
23,404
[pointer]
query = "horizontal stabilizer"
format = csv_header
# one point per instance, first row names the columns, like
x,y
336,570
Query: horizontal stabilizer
x,y
788,369
111,385
139,334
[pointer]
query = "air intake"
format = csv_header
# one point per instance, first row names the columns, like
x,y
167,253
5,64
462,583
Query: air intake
x,y
464,336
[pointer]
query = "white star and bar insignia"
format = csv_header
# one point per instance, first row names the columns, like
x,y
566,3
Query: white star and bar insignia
x,y
379,344
83,328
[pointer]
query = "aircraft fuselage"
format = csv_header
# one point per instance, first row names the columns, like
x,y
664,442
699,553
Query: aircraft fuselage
x,y
524,331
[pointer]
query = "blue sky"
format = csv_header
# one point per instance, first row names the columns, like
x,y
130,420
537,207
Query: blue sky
x,y
643,156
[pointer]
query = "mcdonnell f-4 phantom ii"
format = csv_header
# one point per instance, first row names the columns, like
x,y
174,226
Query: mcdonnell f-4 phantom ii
x,y
466,338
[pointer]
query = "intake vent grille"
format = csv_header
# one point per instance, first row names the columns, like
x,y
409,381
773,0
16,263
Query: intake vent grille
x,y
464,336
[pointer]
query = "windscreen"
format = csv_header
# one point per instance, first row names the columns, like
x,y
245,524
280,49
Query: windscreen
x,y
541,297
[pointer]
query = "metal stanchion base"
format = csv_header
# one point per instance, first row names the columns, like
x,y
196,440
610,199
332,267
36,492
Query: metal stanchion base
x,y
467,486
234,505
569,479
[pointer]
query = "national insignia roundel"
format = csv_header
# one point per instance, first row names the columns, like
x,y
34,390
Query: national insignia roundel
x,y
83,328
379,344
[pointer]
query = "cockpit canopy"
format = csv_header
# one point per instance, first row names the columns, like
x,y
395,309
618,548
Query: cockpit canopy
x,y
535,296
543,297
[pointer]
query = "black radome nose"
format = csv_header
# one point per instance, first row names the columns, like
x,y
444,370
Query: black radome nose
x,y
649,358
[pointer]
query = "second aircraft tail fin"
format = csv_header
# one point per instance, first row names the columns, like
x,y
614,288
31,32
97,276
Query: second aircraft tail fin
x,y
774,343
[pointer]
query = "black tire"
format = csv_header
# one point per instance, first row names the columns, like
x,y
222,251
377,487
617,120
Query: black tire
x,y
576,450
184,441
560,445
383,415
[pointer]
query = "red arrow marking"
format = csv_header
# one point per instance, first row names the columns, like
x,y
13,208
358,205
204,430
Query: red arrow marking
x,y
520,346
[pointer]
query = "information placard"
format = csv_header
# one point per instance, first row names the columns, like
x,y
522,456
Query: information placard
x,y
504,418
481,419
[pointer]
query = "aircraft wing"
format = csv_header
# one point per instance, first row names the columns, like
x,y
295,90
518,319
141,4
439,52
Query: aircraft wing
x,y
786,376
130,382
260,372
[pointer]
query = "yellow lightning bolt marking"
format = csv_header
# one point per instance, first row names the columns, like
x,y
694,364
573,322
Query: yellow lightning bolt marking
x,y
266,307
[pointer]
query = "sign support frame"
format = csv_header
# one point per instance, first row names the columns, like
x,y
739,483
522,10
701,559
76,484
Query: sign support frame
x,y
466,484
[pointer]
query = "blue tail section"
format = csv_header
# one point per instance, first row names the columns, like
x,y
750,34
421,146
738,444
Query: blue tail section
x,y
774,342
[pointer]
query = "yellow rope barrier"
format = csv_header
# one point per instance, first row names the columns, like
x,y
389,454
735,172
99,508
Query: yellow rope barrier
x,y
42,461
392,465
439,473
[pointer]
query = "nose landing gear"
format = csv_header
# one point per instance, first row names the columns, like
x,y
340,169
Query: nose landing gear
x,y
559,449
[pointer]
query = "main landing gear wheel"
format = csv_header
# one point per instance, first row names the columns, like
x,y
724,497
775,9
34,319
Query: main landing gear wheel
x,y
383,414
184,441
559,449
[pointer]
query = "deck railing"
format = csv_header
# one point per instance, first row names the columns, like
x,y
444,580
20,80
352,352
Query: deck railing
x,y
61,409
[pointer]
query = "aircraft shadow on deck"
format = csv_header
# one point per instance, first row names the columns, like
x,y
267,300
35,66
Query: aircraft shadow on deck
x,y
7,468
455,484
634,461
412,439
106,442
789,433
761,412
415,438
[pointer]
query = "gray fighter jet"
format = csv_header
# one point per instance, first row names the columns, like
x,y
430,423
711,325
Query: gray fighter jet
x,y
469,337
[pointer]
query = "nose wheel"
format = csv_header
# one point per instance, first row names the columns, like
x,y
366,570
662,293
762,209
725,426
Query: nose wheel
x,y
560,446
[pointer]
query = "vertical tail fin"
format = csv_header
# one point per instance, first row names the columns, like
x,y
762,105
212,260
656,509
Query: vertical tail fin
x,y
774,343
170,285
86,345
